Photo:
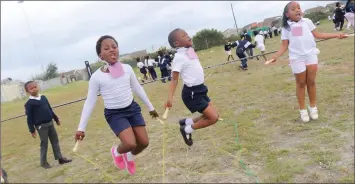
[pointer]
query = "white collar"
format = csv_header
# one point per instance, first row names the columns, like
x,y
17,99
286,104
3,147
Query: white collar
x,y
293,22
36,97
182,49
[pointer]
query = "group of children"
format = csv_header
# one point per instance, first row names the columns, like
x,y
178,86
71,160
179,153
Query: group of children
x,y
163,61
245,45
341,13
116,82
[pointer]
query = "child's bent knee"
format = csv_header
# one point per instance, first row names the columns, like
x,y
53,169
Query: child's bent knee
x,y
130,145
143,144
214,119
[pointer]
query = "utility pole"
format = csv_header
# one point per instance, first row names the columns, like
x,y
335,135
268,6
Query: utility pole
x,y
235,22
31,33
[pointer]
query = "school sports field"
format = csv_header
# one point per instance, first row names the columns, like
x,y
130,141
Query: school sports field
x,y
261,138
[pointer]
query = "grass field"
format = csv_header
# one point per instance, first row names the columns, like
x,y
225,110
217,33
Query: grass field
x,y
261,129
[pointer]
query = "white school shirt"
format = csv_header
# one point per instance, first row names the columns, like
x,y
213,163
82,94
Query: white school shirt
x,y
35,97
300,46
115,92
140,65
190,70
259,39
149,62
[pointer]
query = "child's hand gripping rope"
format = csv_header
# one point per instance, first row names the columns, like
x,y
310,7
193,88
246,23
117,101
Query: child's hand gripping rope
x,y
79,136
154,114
165,115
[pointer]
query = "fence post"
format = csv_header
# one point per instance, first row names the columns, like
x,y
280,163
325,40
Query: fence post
x,y
88,68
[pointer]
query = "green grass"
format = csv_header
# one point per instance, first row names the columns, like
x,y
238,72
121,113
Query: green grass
x,y
272,142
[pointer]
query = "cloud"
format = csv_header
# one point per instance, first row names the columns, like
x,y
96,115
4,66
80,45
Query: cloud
x,y
65,32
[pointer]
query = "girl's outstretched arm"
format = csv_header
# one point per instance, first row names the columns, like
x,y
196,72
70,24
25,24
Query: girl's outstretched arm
x,y
89,104
319,35
139,91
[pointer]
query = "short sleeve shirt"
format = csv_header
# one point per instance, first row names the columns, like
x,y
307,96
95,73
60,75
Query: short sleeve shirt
x,y
300,37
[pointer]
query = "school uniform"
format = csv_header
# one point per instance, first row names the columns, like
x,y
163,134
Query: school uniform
x,y
247,37
163,63
349,14
121,111
302,46
339,18
149,63
142,68
40,117
242,45
194,92
274,29
265,34
259,39
270,33
228,49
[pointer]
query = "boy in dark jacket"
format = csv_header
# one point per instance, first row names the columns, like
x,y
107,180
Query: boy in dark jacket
x,y
164,62
243,45
39,117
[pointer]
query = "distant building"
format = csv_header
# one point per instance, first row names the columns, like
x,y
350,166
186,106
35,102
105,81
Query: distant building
x,y
74,75
12,90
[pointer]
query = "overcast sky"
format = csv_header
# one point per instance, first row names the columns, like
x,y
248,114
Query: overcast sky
x,y
66,32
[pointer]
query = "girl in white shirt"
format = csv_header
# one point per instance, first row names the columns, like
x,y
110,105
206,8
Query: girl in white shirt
x,y
142,68
116,81
260,43
297,36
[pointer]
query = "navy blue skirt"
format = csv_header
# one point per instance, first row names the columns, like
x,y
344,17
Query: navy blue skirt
x,y
195,98
121,119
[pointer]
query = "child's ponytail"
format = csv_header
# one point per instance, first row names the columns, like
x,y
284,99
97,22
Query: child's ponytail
x,y
285,18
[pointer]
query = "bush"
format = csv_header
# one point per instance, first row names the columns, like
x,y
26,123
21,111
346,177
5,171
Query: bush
x,y
207,38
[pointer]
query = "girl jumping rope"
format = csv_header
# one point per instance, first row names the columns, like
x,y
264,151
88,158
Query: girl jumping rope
x,y
116,81
297,36
194,92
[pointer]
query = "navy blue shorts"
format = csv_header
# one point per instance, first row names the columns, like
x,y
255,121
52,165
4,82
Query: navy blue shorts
x,y
143,70
195,98
121,119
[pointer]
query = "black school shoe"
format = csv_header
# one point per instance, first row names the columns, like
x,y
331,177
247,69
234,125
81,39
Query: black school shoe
x,y
182,122
64,160
188,141
46,165
4,176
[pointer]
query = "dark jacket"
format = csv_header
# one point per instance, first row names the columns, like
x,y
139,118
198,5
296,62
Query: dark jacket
x,y
39,112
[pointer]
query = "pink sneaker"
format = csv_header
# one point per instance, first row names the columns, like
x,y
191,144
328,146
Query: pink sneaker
x,y
131,165
119,162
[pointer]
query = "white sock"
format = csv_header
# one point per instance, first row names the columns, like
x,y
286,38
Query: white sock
x,y
115,152
188,129
189,121
129,156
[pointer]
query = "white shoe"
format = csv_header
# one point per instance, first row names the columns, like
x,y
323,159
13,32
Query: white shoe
x,y
313,112
304,115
